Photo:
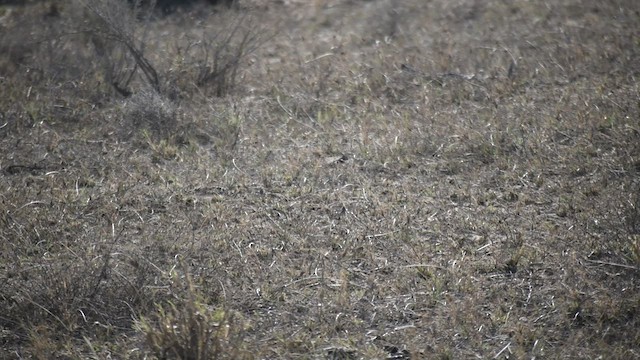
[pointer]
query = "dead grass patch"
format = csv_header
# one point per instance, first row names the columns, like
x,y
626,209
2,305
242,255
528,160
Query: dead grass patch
x,y
380,180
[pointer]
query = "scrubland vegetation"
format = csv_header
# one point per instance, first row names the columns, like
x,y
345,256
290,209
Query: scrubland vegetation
x,y
345,179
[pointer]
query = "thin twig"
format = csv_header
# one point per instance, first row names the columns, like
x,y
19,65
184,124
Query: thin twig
x,y
630,267
501,351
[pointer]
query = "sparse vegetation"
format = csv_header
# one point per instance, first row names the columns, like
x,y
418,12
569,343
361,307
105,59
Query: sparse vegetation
x,y
336,180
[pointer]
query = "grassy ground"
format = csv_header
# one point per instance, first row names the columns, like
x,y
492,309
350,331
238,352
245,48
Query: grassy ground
x,y
378,179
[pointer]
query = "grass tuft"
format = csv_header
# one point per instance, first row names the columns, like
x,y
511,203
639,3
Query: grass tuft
x,y
189,328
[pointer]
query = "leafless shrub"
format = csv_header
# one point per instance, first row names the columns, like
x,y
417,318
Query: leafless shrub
x,y
221,54
120,33
119,37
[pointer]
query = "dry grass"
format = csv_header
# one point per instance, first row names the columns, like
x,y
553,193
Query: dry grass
x,y
381,179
